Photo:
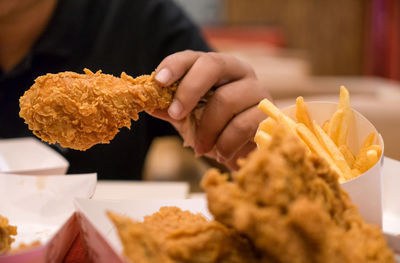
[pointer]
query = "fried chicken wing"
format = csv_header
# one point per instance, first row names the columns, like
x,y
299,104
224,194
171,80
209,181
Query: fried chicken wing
x,y
172,235
290,205
81,110
6,233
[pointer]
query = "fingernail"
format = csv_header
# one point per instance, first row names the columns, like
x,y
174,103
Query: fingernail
x,y
175,109
163,76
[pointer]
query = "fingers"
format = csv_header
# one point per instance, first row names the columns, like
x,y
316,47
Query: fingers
x,y
239,131
230,118
228,100
173,67
243,152
201,71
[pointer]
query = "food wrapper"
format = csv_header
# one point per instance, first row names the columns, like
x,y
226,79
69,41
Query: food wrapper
x,y
30,156
100,235
42,209
365,190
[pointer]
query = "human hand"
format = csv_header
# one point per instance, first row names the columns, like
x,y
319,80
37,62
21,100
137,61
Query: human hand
x,y
230,117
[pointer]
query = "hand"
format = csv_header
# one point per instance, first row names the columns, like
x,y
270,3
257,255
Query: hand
x,y
230,117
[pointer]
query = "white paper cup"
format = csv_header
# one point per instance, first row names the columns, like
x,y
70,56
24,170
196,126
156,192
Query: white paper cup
x,y
366,189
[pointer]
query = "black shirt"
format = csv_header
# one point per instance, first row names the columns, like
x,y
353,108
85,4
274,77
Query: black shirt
x,y
114,36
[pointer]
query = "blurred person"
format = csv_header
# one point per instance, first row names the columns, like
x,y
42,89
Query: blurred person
x,y
50,36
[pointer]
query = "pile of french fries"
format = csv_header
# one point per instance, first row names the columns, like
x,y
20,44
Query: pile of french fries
x,y
328,141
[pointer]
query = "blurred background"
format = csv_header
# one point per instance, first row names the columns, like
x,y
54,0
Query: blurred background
x,y
310,48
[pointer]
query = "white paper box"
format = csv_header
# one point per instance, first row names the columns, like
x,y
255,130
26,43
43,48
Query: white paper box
x,y
30,156
42,209
122,190
365,190
99,233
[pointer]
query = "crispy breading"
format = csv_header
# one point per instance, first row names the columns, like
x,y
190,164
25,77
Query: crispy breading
x,y
6,233
292,208
172,235
81,110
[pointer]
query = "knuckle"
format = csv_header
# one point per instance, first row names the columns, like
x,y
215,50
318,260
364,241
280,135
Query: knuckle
x,y
215,58
250,70
243,127
188,52
213,61
240,126
169,60
223,98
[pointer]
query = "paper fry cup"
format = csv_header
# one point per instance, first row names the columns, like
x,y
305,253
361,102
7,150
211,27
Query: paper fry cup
x,y
366,189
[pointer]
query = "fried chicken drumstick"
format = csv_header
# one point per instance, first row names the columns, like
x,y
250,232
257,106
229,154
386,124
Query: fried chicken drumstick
x,y
175,236
81,110
290,205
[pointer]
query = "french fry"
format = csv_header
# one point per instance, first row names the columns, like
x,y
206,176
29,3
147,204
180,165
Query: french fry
x,y
369,140
366,158
309,138
372,158
355,172
344,104
377,148
333,150
328,141
348,155
267,125
302,113
262,139
344,98
334,125
271,110
325,127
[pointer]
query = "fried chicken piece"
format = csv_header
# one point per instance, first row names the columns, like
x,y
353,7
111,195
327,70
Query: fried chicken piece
x,y
81,110
290,205
172,235
6,231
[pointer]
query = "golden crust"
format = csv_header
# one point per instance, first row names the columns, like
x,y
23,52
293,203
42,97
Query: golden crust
x,y
6,233
172,235
292,208
81,110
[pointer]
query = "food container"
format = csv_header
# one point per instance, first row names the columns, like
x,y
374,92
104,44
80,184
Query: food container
x,y
365,190
30,156
42,209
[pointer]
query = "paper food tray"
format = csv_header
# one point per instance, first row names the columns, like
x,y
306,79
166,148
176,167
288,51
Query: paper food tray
x,y
42,209
117,190
30,156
